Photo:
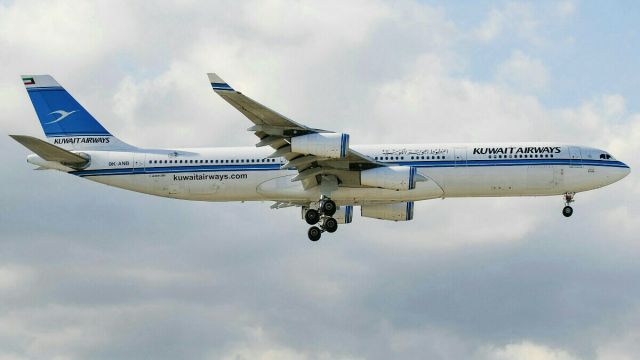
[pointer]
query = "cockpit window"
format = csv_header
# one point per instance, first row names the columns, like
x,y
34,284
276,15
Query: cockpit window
x,y
605,156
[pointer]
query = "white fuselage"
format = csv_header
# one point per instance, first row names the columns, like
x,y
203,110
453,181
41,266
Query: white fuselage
x,y
453,170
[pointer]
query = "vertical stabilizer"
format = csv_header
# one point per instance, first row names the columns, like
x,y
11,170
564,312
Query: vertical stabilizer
x,y
65,122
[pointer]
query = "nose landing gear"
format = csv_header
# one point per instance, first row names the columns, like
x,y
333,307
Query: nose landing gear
x,y
324,215
567,211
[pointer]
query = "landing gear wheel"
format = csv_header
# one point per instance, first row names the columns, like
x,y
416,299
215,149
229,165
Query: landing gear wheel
x,y
567,211
328,207
312,216
314,233
330,225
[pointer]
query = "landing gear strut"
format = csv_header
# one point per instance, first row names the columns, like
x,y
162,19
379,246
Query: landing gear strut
x,y
327,208
567,211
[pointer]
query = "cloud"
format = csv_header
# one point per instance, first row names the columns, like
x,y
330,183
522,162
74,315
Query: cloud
x,y
89,271
525,350
514,18
566,8
523,73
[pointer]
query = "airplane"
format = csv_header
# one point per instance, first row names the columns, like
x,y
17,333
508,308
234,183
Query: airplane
x,y
317,170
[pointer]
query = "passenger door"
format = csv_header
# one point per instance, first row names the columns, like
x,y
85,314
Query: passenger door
x,y
460,156
575,157
139,162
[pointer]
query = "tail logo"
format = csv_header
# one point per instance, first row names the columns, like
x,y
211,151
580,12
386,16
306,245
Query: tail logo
x,y
63,114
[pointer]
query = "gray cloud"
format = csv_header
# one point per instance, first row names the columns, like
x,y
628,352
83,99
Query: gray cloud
x,y
88,271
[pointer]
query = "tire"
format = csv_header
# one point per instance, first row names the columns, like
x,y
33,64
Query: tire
x,y
312,216
567,211
331,225
314,233
329,207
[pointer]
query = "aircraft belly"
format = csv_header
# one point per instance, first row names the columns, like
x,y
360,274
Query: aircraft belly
x,y
204,186
283,189
498,181
276,185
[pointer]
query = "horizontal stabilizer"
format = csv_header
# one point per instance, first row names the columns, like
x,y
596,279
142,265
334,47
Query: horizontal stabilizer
x,y
51,152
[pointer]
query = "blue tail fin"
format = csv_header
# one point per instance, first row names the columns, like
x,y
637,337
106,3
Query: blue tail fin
x,y
64,121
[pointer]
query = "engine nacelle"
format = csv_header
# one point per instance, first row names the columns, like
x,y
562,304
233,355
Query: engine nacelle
x,y
344,214
402,211
326,145
391,177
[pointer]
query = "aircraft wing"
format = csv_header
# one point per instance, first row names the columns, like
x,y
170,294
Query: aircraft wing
x,y
276,130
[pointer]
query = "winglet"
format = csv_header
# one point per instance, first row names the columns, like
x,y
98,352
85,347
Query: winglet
x,y
218,84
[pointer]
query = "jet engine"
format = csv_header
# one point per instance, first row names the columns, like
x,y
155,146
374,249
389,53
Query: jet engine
x,y
326,145
402,211
344,214
391,177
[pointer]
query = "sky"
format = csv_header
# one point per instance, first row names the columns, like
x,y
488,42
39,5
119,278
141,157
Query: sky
x,y
93,272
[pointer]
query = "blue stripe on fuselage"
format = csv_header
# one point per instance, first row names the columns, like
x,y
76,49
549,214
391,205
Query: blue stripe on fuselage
x,y
177,169
276,166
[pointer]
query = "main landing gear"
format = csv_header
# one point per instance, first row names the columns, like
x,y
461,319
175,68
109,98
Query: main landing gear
x,y
568,199
322,215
